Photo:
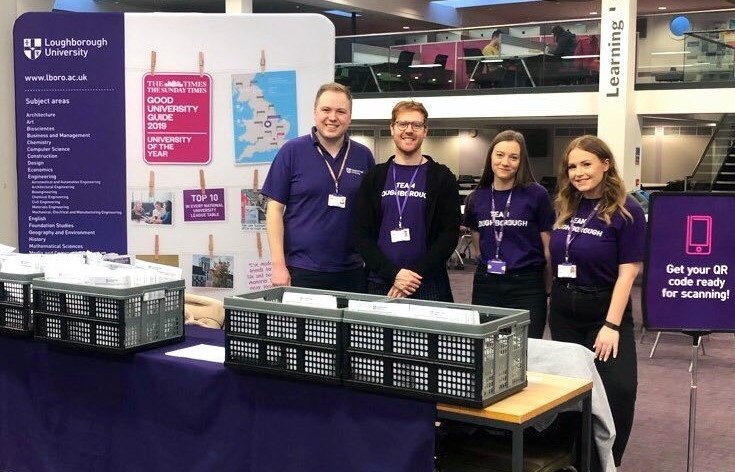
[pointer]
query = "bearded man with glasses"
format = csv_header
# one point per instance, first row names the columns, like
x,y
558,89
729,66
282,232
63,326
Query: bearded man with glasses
x,y
408,215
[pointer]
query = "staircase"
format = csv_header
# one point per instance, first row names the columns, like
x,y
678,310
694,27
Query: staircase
x,y
715,171
725,179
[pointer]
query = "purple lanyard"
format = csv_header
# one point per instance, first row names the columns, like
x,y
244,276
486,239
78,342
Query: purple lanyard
x,y
335,178
571,234
506,213
402,206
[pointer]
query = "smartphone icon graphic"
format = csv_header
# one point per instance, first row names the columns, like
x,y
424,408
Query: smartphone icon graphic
x,y
699,235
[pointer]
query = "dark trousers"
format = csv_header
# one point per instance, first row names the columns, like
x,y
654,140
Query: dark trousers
x,y
524,289
354,280
576,316
436,289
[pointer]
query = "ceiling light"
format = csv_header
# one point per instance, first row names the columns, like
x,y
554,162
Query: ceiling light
x,y
662,8
476,3
593,13
342,13
406,27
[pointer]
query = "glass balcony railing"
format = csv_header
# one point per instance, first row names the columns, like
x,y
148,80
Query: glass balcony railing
x,y
716,169
709,56
703,56
473,58
536,55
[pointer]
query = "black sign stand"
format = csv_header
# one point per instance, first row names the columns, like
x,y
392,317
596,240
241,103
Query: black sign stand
x,y
696,339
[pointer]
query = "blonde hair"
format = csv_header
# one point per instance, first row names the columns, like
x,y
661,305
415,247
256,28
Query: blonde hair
x,y
613,198
333,87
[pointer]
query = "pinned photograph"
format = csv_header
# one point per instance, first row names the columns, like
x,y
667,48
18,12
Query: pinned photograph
x,y
212,271
156,210
252,210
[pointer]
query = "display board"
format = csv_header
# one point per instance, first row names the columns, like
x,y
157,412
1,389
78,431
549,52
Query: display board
x,y
690,258
152,133
70,132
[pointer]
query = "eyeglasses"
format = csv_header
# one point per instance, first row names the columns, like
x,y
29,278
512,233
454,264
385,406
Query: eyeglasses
x,y
416,125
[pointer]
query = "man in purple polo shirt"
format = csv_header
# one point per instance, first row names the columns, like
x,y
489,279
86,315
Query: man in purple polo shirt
x,y
311,187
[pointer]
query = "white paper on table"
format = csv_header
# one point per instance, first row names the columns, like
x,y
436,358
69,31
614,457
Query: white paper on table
x,y
6,249
310,299
201,352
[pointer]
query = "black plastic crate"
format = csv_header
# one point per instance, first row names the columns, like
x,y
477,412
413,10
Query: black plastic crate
x,y
263,335
16,303
463,364
114,320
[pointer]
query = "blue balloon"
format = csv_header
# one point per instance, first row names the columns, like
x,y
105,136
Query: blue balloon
x,y
680,25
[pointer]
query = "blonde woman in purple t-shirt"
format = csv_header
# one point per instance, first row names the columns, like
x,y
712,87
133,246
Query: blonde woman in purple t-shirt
x,y
511,217
596,252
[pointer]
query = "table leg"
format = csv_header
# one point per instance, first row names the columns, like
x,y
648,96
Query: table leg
x,y
585,443
517,450
523,61
472,75
375,78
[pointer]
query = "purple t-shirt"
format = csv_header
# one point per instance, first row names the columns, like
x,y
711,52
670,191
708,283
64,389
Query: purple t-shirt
x,y
529,215
317,236
399,192
598,249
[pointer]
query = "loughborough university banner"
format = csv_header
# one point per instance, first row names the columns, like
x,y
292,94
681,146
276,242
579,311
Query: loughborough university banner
x,y
688,278
70,132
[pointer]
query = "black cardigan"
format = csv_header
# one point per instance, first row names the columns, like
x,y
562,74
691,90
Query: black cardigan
x,y
442,221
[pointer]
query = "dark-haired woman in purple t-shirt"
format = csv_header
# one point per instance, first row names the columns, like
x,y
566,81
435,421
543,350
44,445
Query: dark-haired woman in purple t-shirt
x,y
511,217
596,252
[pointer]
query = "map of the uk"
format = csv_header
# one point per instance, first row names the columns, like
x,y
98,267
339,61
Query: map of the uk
x,y
264,114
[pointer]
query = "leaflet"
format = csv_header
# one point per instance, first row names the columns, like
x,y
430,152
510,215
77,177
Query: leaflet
x,y
201,352
310,299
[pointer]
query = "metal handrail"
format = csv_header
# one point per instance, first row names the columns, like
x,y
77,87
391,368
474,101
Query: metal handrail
x,y
706,149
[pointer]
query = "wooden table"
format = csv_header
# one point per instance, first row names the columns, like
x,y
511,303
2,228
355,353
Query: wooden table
x,y
545,396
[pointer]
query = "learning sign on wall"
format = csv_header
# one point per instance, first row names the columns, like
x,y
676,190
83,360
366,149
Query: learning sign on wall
x,y
688,279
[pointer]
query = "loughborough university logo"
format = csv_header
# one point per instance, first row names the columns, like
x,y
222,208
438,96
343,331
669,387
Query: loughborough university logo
x,y
32,47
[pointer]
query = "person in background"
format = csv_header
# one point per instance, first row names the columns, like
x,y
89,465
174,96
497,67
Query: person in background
x,y
137,212
408,215
493,47
597,249
566,42
165,215
511,218
167,209
311,187
158,211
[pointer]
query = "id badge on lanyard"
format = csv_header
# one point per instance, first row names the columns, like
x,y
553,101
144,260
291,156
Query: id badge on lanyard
x,y
497,265
400,234
335,200
566,269
338,201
